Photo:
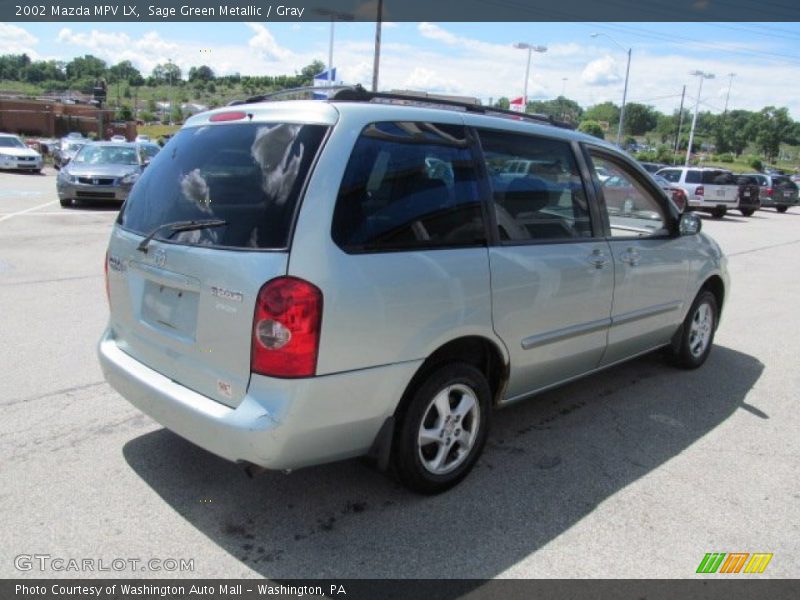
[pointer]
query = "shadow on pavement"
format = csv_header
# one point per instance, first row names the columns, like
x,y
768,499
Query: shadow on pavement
x,y
548,463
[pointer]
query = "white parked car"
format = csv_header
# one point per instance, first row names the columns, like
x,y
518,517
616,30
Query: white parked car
x,y
707,189
14,154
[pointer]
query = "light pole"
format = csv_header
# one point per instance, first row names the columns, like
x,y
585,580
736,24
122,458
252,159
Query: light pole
x,y
625,91
564,85
334,16
530,48
702,75
376,61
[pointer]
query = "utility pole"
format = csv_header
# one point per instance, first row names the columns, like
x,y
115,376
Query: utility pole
x,y
702,75
680,125
728,96
625,90
377,60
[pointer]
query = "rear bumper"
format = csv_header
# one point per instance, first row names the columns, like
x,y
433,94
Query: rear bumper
x,y
280,423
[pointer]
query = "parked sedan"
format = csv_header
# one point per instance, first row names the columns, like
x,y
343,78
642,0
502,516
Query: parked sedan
x,y
103,171
14,154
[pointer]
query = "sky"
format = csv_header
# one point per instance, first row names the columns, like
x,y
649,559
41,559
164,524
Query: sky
x,y
470,59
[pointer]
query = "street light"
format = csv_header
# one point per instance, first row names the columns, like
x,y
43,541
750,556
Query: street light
x,y
625,91
334,16
702,75
530,48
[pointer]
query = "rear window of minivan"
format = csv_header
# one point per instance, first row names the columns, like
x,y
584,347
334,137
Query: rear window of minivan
x,y
249,175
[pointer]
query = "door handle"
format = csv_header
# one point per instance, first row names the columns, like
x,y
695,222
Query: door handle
x,y
631,256
598,258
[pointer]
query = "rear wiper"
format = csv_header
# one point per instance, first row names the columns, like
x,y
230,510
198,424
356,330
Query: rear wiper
x,y
179,226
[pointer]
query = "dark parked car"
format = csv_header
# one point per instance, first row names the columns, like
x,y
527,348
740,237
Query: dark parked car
x,y
652,167
749,201
777,191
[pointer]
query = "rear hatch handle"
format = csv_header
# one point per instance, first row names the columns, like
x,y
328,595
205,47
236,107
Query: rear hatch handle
x,y
179,226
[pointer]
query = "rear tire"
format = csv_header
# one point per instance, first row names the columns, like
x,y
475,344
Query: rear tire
x,y
747,212
781,209
444,429
697,332
718,213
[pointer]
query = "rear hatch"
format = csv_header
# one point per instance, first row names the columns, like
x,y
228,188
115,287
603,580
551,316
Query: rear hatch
x,y
784,190
218,205
719,187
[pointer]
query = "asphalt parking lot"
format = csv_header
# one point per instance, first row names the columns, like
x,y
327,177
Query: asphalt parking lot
x,y
635,472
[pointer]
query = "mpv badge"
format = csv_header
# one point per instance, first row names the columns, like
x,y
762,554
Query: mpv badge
x,y
160,257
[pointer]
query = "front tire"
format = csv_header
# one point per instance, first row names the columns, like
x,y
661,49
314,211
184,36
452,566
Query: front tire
x,y
747,212
65,202
781,209
444,429
697,332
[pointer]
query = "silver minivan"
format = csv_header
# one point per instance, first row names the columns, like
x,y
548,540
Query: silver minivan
x,y
292,283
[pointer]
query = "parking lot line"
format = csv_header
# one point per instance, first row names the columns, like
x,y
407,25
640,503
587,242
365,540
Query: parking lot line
x,y
27,210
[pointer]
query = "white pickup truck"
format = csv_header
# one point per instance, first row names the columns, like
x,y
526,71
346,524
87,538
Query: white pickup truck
x,y
707,189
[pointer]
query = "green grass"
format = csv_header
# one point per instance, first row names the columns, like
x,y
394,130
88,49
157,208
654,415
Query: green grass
x,y
156,131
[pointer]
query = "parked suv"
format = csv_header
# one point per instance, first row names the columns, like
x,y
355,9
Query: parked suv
x,y
293,283
749,194
777,191
707,189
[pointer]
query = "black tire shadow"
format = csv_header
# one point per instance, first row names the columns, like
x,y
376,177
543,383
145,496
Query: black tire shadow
x,y
548,463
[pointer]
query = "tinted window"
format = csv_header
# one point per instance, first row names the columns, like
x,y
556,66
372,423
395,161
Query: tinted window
x,y
718,178
409,185
92,154
632,208
249,175
783,182
537,191
672,175
693,176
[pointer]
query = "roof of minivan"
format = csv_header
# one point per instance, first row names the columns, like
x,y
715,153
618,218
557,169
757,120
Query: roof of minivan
x,y
328,112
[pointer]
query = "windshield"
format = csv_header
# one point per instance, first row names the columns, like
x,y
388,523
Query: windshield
x,y
249,175
106,155
11,142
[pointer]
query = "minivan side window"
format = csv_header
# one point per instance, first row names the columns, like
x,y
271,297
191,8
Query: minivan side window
x,y
632,209
537,191
409,186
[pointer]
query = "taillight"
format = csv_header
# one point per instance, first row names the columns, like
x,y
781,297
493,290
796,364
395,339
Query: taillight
x,y
769,191
699,190
105,273
679,198
286,328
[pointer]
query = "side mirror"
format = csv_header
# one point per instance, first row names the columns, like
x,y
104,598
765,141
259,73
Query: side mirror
x,y
690,224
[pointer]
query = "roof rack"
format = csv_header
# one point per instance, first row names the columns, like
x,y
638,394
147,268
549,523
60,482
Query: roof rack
x,y
357,93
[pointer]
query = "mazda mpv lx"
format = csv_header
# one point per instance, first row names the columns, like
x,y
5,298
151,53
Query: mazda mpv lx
x,y
298,282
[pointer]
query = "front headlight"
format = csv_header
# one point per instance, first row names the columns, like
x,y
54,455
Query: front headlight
x,y
130,178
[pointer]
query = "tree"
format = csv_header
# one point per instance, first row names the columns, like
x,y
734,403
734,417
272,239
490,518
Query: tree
x,y
772,126
167,72
125,71
639,118
201,73
503,103
307,73
592,128
561,108
86,67
733,131
124,113
606,112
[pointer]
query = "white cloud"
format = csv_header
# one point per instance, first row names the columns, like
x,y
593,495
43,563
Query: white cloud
x,y
16,40
602,71
264,43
